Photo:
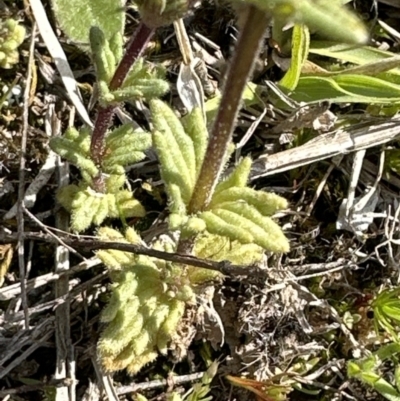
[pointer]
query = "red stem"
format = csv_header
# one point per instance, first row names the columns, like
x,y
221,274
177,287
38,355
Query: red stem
x,y
134,50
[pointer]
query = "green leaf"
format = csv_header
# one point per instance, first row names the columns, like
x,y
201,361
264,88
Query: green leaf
x,y
346,88
238,178
196,128
266,203
88,207
124,146
328,17
220,226
220,248
265,232
103,57
74,146
300,46
76,17
142,88
375,60
175,149
12,35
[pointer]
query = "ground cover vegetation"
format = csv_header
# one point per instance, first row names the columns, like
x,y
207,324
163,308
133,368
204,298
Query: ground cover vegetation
x,y
199,200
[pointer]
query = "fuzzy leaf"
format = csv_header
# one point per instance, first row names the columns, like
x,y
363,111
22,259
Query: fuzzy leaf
x,y
180,144
76,150
88,207
147,303
141,361
196,128
238,178
76,17
142,88
218,225
178,185
222,248
124,146
265,231
103,57
266,203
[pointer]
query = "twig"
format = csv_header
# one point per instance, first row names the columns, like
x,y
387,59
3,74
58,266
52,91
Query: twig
x,y
253,273
55,303
321,185
105,380
21,184
159,383
49,232
22,338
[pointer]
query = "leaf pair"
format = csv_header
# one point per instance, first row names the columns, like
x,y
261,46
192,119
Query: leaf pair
x,y
367,371
89,207
375,80
235,211
142,81
124,146
243,214
181,148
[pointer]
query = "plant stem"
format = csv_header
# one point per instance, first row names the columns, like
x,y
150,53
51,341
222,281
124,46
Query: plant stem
x,y
134,50
240,70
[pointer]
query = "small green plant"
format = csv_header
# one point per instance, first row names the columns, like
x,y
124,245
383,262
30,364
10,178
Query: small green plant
x,y
386,307
367,370
221,218
147,303
12,34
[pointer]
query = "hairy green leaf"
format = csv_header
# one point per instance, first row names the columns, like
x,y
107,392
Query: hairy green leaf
x,y
76,17
103,57
147,303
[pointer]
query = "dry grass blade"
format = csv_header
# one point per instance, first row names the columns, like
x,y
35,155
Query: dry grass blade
x,y
21,184
59,58
14,290
65,364
357,137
